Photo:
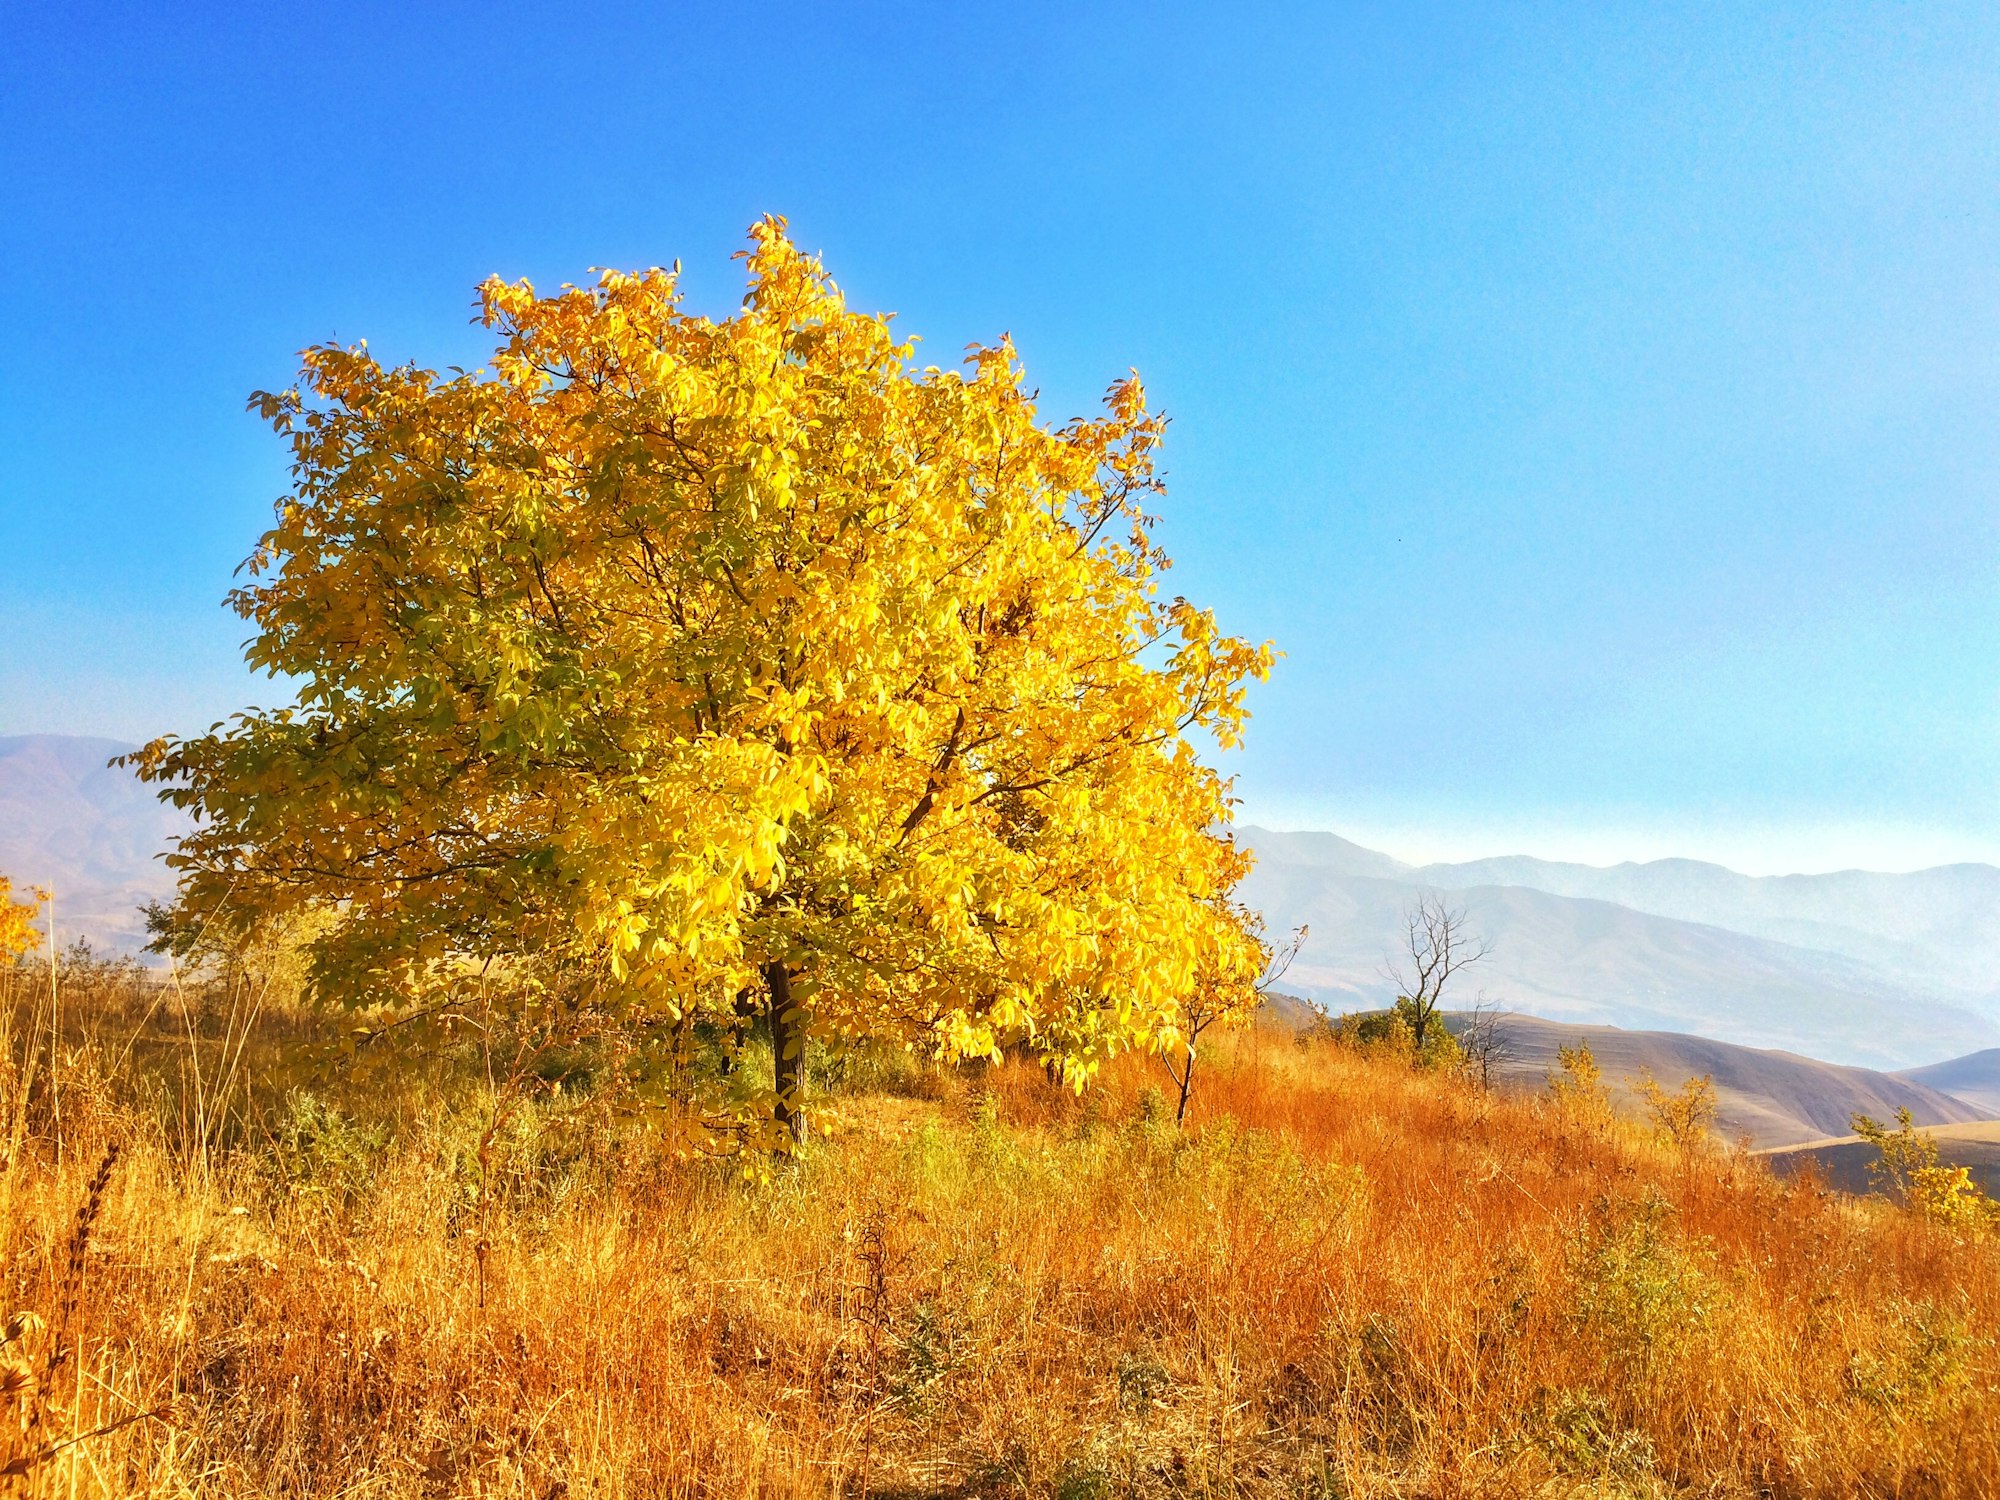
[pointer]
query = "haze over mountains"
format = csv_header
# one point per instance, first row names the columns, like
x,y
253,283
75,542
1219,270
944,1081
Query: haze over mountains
x,y
70,822
1882,971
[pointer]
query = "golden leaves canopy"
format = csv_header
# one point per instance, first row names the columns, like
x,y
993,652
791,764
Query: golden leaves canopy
x,y
669,647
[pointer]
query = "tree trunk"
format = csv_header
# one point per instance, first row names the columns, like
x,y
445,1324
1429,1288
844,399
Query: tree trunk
x,y
1186,1081
788,1053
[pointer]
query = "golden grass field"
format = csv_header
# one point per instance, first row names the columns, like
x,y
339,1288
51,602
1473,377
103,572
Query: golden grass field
x,y
1344,1278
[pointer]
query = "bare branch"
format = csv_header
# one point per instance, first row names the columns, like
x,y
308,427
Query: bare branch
x,y
1436,946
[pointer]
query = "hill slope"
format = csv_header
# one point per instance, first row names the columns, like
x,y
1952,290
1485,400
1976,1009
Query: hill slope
x,y
1343,1276
1974,1078
1845,1162
1773,1098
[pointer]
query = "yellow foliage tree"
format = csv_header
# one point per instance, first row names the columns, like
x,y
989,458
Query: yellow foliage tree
x,y
1685,1117
674,660
17,920
1905,1151
1908,1169
1949,1196
1577,1087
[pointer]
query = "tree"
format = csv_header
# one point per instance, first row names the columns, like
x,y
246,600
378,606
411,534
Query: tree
x,y
675,658
1948,1196
1221,996
1577,1087
1436,946
1908,1170
1683,1117
1903,1152
1393,1033
17,920
1483,1042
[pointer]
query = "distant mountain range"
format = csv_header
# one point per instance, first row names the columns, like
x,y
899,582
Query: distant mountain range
x,y
1883,971
70,822
1975,1079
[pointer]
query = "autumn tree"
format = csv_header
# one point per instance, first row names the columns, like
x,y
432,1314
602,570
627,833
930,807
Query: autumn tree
x,y
17,921
1577,1088
1908,1170
1683,1117
670,660
1903,1152
1218,997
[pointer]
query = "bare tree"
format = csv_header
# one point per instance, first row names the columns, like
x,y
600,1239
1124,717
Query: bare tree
x,y
1205,1006
1484,1041
1436,945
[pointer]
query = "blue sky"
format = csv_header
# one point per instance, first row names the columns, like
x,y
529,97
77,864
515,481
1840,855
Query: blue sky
x,y
1599,409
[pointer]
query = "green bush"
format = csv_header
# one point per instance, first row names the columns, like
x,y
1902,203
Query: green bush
x,y
321,1152
1642,1291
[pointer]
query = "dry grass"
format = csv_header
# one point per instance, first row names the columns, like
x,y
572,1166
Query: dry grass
x,y
1343,1279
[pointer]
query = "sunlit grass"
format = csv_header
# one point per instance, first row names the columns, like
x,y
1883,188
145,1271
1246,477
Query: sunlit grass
x,y
1344,1278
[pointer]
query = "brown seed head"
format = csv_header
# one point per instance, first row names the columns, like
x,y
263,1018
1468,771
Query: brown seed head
x,y
22,1325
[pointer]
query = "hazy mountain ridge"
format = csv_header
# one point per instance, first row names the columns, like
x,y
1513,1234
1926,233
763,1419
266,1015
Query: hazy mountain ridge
x,y
1589,959
91,832
1941,924
1974,1078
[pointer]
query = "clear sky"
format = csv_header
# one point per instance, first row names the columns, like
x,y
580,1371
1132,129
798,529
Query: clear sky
x,y
1597,404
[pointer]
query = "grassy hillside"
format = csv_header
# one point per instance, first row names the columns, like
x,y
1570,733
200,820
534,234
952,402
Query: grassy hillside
x,y
1768,1098
375,1277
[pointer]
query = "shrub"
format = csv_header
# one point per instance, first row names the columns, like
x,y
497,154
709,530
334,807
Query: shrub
x,y
1908,1170
1641,1290
1920,1355
1577,1089
1948,1196
1392,1033
321,1152
1684,1117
